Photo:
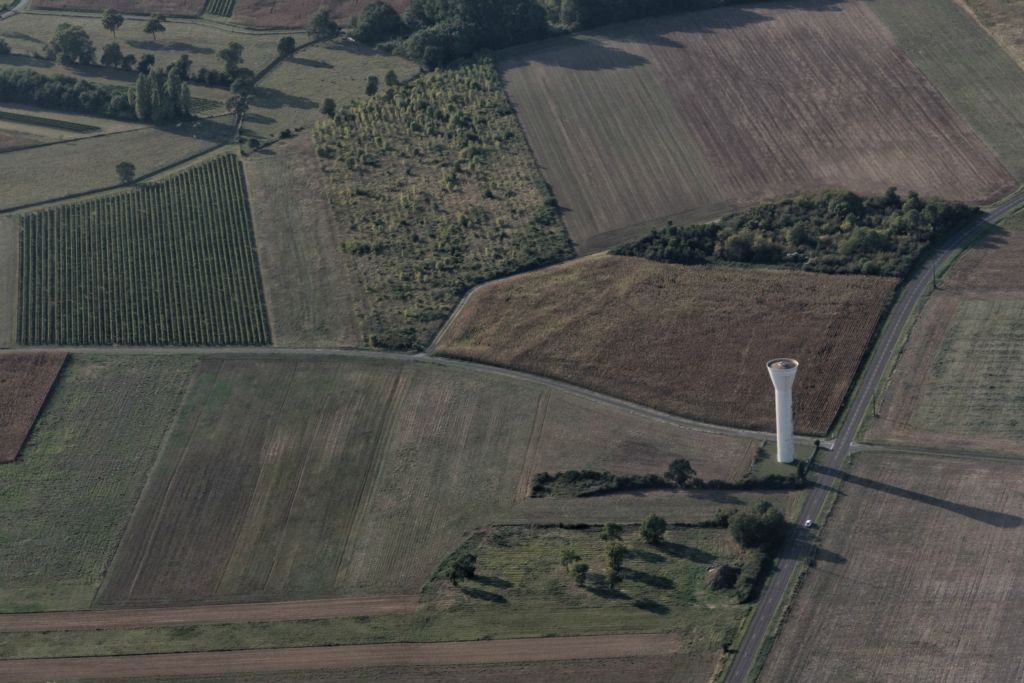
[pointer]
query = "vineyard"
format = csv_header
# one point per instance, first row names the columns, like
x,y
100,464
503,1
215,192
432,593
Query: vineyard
x,y
435,190
220,8
168,263
69,126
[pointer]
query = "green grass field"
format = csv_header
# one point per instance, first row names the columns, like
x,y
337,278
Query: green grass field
x,y
168,263
982,82
67,499
435,190
290,95
8,280
521,591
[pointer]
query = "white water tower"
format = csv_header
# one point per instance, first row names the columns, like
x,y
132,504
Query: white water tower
x,y
783,372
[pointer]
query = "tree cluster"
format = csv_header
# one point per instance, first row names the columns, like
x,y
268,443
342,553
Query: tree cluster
x,y
828,232
24,86
160,97
760,526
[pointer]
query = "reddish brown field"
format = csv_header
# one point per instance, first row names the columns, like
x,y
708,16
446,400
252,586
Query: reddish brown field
x,y
688,116
170,8
289,13
688,340
25,381
917,579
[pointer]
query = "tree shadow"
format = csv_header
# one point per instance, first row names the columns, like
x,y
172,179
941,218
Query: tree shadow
x,y
175,47
486,596
652,580
272,98
645,556
652,606
492,581
313,63
990,517
800,548
18,35
23,60
687,553
720,496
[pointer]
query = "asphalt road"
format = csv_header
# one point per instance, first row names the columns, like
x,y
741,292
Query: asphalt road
x,y
912,293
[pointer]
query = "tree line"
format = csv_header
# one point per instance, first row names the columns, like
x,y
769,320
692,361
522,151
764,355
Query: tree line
x,y
436,32
827,232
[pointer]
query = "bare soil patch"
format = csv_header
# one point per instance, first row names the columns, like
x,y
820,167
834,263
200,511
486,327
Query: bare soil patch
x,y
690,340
917,578
675,117
297,13
350,656
25,381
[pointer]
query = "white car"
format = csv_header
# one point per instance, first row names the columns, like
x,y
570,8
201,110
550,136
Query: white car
x,y
809,523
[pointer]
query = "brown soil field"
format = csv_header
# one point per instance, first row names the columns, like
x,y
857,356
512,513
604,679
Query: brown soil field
x,y
311,477
958,379
170,8
687,340
349,656
25,381
289,13
213,614
689,116
917,580
305,275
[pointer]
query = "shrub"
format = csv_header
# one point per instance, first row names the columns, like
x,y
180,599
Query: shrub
x,y
652,529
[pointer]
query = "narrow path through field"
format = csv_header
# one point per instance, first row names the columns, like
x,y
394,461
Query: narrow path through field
x,y
339,657
262,351
826,479
292,610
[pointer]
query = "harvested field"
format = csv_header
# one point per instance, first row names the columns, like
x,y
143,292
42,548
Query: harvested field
x,y
170,8
958,381
978,78
28,32
87,164
918,579
167,263
297,13
356,656
398,461
690,340
68,496
308,286
698,136
25,381
290,95
1004,19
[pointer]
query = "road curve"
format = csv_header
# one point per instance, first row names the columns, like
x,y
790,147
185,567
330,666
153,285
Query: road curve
x,y
339,657
914,291
148,617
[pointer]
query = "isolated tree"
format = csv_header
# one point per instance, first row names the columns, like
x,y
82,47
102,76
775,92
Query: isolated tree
x,y
611,531
579,573
377,22
613,579
232,57
328,107
569,558
146,63
112,56
322,26
70,45
680,472
616,554
652,530
244,83
286,47
112,20
237,105
391,79
461,568
155,25
372,85
125,172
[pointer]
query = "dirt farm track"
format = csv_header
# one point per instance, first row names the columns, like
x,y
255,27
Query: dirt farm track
x,y
348,656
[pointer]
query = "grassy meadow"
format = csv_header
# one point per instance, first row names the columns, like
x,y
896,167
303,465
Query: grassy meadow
x,y
8,280
69,495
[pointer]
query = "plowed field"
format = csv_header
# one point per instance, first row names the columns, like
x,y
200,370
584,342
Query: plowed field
x,y
25,381
688,340
919,581
686,116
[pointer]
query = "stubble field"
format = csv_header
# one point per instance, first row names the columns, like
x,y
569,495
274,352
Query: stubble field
x,y
25,381
688,116
687,340
958,381
359,476
920,581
